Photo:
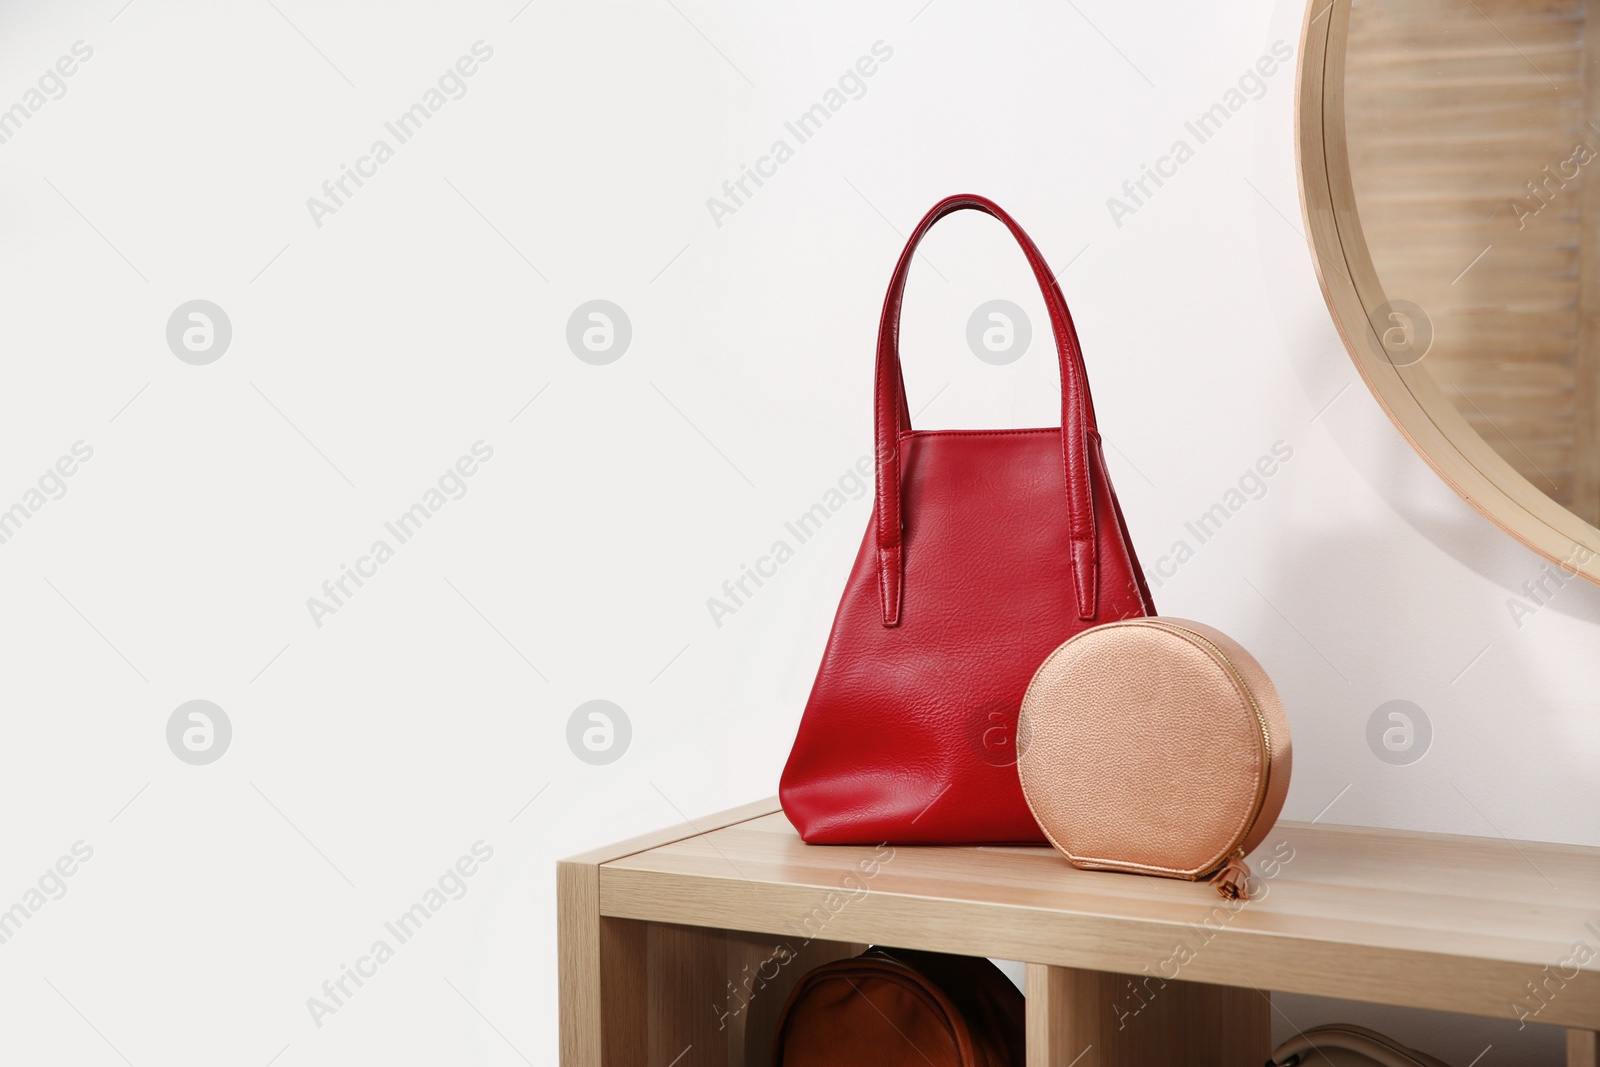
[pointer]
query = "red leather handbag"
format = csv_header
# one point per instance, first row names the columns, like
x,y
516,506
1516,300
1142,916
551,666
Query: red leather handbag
x,y
986,550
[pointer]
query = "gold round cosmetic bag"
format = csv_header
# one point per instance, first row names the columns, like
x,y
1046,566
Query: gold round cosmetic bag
x,y
1155,746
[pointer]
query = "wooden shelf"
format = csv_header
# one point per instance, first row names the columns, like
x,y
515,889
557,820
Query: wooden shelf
x,y
686,942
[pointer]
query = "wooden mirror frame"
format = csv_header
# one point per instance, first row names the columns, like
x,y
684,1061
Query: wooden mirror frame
x,y
1350,285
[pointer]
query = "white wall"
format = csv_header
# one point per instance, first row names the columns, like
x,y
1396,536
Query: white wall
x,y
371,752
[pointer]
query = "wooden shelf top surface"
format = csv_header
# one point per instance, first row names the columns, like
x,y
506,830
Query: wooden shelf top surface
x,y
1479,925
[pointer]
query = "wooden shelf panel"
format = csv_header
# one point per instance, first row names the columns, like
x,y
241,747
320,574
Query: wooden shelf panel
x,y
1421,920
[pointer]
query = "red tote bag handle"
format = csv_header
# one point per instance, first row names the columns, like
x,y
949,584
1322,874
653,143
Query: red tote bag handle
x,y
892,418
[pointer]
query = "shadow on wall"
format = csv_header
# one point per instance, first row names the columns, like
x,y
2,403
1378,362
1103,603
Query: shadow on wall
x,y
1352,417
1355,421
1420,497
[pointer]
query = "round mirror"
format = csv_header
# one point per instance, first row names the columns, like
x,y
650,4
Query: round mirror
x,y
1449,157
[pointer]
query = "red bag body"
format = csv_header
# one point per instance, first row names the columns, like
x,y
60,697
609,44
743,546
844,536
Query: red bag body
x,y
986,549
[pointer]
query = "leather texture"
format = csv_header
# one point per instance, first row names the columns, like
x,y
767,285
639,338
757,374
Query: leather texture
x,y
899,1008
1157,746
1347,1045
985,550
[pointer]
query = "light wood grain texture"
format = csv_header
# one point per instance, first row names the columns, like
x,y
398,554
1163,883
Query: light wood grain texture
x,y
1470,208
1458,924
684,980
1453,443
605,997
602,1014
1583,1048
1585,497
1096,1019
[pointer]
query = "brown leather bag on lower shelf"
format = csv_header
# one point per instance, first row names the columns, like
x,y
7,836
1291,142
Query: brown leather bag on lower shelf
x,y
899,1008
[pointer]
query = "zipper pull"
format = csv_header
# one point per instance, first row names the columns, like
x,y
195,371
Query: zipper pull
x,y
1232,878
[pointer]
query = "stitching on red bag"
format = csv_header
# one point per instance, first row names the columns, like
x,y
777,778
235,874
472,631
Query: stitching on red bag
x,y
892,610
975,433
